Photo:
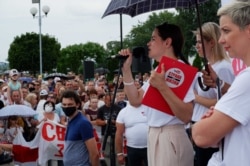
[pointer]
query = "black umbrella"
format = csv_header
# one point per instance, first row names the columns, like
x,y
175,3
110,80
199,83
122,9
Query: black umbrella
x,y
53,75
116,71
116,6
101,71
137,7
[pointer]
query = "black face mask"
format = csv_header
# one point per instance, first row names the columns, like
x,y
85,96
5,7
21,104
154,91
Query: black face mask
x,y
69,111
31,89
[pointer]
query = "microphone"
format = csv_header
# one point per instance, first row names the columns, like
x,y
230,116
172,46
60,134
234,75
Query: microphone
x,y
137,53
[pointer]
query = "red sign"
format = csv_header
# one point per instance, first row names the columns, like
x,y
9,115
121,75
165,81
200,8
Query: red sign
x,y
179,77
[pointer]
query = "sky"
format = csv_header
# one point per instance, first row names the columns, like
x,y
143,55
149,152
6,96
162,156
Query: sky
x,y
69,21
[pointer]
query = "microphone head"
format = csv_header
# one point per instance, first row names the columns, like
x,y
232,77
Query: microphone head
x,y
139,52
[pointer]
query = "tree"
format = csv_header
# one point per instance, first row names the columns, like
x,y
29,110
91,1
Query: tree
x,y
185,18
113,47
72,57
188,21
141,34
24,52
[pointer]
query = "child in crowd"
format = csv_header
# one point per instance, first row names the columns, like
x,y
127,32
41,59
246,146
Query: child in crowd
x,y
13,84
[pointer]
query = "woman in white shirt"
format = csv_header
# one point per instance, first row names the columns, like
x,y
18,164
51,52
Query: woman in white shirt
x,y
168,143
230,118
221,64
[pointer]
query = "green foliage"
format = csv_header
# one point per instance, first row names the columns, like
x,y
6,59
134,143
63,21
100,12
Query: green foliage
x,y
72,57
24,50
141,34
185,18
197,62
113,47
24,53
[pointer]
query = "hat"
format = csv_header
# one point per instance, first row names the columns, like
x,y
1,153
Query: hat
x,y
2,81
43,92
57,79
13,72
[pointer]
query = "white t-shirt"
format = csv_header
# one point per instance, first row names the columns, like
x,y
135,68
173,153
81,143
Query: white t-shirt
x,y
55,120
136,127
224,71
236,104
40,105
99,104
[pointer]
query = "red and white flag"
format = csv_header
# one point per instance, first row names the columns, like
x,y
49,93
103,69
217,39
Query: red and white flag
x,y
47,144
25,153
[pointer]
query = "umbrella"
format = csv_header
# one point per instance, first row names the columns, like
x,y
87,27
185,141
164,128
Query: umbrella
x,y
17,110
116,6
136,7
25,79
101,70
53,75
116,71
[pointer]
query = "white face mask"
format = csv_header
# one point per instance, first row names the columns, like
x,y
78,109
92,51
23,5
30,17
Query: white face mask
x,y
48,108
1,130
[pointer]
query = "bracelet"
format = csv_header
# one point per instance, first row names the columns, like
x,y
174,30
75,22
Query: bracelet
x,y
119,154
128,83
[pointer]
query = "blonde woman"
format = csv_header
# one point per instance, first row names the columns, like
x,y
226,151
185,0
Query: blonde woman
x,y
31,100
221,64
230,118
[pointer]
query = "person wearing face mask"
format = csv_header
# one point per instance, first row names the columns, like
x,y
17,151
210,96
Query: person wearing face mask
x,y
31,86
80,146
48,113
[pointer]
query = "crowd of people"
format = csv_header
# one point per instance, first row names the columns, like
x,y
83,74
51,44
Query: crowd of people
x,y
206,128
93,101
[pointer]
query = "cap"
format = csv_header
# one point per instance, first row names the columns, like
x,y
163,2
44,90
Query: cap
x,y
57,79
43,92
13,72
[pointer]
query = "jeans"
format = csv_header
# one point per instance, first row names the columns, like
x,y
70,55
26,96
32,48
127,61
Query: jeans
x,y
137,156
